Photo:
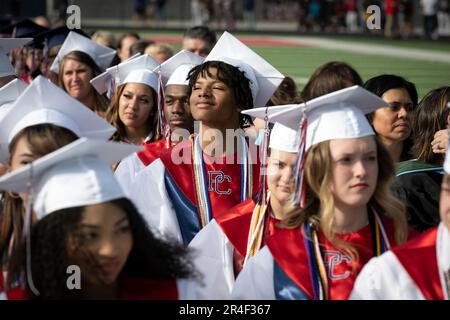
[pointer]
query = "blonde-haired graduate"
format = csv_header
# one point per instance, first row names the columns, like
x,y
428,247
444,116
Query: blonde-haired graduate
x,y
346,213
418,269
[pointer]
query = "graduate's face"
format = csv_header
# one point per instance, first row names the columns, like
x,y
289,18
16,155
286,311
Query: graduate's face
x,y
21,156
354,170
392,123
136,105
213,102
444,203
176,107
76,77
279,171
101,243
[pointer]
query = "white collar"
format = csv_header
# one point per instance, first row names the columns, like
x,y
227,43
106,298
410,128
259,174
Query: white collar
x,y
443,258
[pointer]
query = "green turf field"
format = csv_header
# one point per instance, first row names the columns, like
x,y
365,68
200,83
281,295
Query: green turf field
x,y
299,63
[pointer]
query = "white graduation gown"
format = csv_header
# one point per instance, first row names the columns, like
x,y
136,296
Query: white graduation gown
x,y
213,258
149,194
127,171
255,281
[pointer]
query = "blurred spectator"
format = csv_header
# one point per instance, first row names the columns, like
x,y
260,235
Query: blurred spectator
x,y
158,51
199,40
390,10
200,12
405,15
249,14
160,10
140,9
351,15
444,18
312,20
225,14
124,44
139,47
302,14
429,13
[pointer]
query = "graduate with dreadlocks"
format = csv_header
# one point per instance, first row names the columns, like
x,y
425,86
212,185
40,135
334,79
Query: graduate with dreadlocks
x,y
346,213
231,238
211,172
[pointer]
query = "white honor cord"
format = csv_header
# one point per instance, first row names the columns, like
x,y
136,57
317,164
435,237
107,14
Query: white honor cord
x,y
443,258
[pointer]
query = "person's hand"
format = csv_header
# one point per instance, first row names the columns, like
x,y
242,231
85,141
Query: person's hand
x,y
440,142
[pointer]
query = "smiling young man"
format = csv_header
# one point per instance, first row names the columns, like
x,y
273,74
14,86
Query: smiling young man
x,y
200,178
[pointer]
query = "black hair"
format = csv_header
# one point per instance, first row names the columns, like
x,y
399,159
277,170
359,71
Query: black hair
x,y
385,82
150,257
202,33
233,78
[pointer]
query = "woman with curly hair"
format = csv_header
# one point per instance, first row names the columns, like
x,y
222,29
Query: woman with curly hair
x,y
93,230
43,119
346,214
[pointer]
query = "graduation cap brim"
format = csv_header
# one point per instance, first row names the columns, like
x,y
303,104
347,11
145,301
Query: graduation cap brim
x,y
11,91
55,37
121,71
101,54
106,151
290,115
267,76
183,57
24,28
9,44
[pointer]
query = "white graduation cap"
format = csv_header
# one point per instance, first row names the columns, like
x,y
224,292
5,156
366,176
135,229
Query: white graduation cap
x,y
101,54
77,174
264,78
284,138
6,46
176,69
11,91
43,102
136,69
337,115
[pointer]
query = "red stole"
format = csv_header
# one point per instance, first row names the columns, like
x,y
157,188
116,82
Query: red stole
x,y
152,151
147,289
418,257
15,293
235,224
288,249
183,176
